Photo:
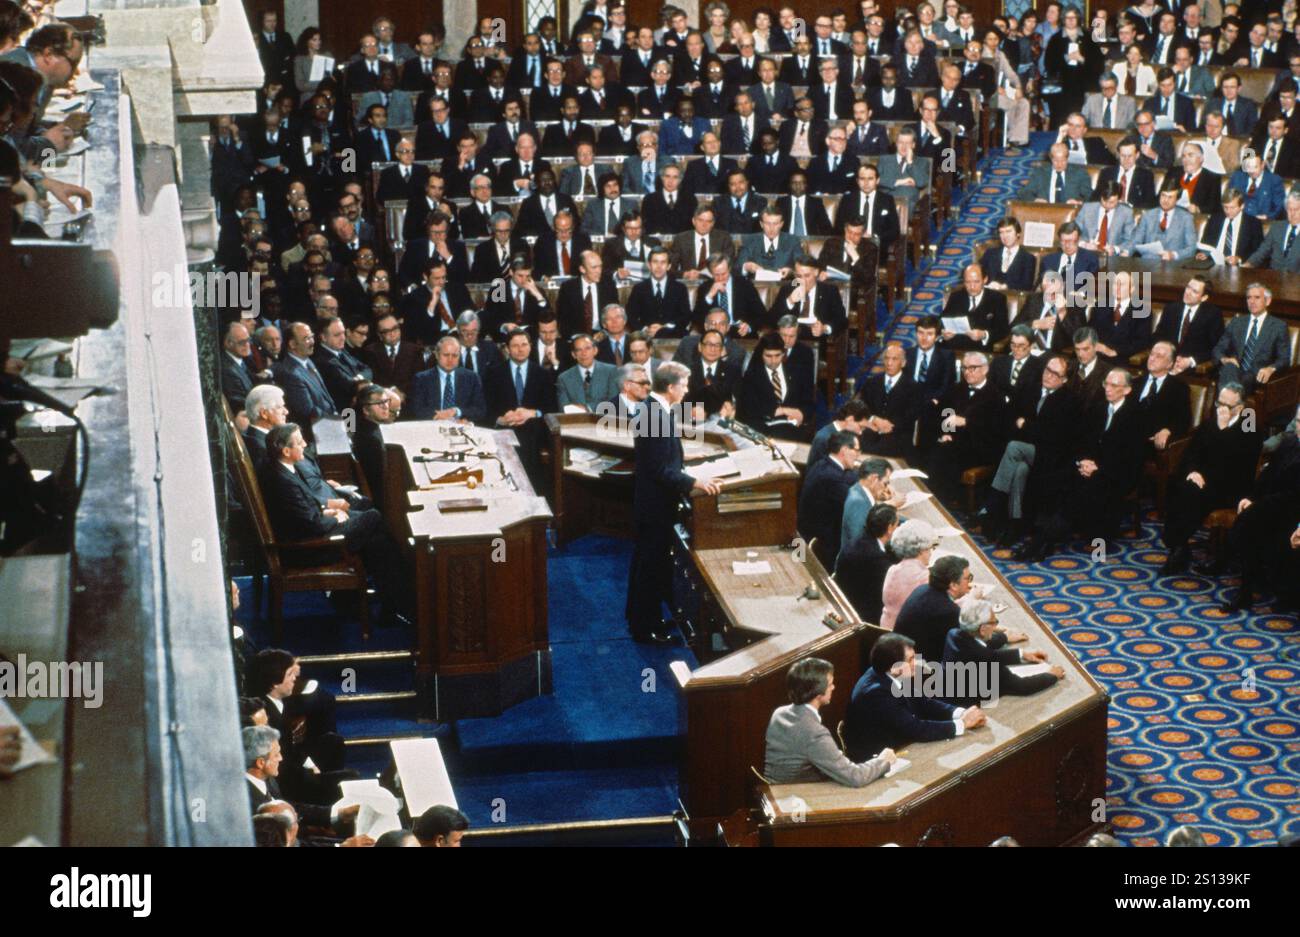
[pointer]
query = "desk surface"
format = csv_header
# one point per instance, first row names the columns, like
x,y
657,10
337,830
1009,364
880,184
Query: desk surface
x,y
505,487
1227,284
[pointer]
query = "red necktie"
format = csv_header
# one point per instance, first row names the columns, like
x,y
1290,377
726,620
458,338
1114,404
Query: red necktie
x,y
704,254
1124,195
1164,221
564,257
1250,189
1105,229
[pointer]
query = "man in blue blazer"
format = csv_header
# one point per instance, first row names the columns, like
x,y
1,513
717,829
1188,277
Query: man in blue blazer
x,y
1232,230
933,369
674,138
887,709
448,391
659,484
305,393
1240,113
1167,102
1069,257
1264,191
1253,347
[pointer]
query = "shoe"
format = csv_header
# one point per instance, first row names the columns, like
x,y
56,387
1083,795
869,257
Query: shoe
x,y
1178,561
1011,534
1028,551
1240,603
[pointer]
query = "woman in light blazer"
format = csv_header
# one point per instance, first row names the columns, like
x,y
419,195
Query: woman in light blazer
x,y
309,48
1010,93
912,543
1144,76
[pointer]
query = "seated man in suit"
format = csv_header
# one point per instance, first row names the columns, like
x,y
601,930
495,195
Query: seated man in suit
x,y
1281,247
1137,185
1059,182
1074,263
1083,149
865,137
582,297
691,249
304,388
1107,224
1231,230
861,567
734,295
888,710
906,175
832,173
821,502
891,101
969,429
1253,346
588,382
1107,109
1202,188
932,610
1264,190
818,305
715,379
1240,113
1167,102
874,207
976,640
1169,224
1009,267
519,398
851,417
932,367
1216,471
804,214
1193,324
1017,373
296,514
799,749
1164,401
262,760
236,376
659,303
688,349
1155,147
625,246
776,396
344,371
771,249
448,391
739,209
984,310
708,176
1264,532
893,401
1121,320
669,209
601,218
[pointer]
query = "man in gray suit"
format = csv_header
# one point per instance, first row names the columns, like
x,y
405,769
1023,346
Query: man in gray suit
x,y
1253,347
1169,223
582,178
641,174
688,259
600,218
1118,223
1059,182
1281,247
771,98
770,250
801,749
589,381
688,349
905,175
1123,108
1189,79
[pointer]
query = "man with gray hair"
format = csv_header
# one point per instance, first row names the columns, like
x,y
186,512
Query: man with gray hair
x,y
1253,347
634,388
448,391
659,485
968,429
477,353
976,640
262,766
872,488
1281,247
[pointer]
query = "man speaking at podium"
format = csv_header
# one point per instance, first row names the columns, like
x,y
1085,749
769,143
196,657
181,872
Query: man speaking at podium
x,y
660,483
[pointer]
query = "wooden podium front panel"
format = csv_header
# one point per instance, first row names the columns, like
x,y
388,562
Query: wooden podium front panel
x,y
712,526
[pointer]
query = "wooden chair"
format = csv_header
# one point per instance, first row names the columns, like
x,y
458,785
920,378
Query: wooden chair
x,y
346,573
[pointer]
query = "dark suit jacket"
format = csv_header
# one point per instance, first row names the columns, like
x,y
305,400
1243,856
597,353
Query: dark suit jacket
x,y
958,111
1207,197
426,396
539,389
926,617
744,221
305,394
532,217
815,220
723,387
827,307
925,74
610,142
746,305
821,507
874,141
393,188
431,144
1201,335
313,815
340,372
766,177
939,376
990,316
885,223
486,266
1141,188
571,310
844,97
901,109
758,400
501,313
660,219
901,407
397,373
498,142
1250,232
648,105
1226,458
1184,110
419,324
546,254
473,224
860,572
509,171
699,179
1085,261
674,311
483,109
1020,276
1169,409
816,136
370,151
1131,335
962,648
236,380
555,142
1028,381
660,480
876,719
823,181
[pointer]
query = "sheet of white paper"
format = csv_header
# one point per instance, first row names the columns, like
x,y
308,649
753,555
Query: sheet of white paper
x,y
1164,122
1213,251
947,532
635,269
763,275
714,468
900,765
1150,248
755,568
916,497
574,408
1029,670
1040,234
423,774
808,320
957,324
320,66
379,808
31,752
1213,161
78,146
908,473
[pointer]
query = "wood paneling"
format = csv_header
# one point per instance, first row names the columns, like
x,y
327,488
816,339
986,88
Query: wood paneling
x,y
343,24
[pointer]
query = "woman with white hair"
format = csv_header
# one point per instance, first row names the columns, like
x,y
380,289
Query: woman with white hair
x,y
913,543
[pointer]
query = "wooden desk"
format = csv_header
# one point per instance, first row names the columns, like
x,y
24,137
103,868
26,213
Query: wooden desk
x,y
1227,284
1035,772
480,576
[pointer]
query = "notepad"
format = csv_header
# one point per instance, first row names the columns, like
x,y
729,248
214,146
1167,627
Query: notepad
x,y
754,568
1029,670
1040,234
900,765
959,324
320,66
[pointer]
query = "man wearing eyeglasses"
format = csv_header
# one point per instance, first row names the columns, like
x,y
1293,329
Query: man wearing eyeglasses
x,y
970,428
1216,471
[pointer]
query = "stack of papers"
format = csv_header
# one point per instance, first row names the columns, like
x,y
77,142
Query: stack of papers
x,y
916,497
754,568
379,808
1029,670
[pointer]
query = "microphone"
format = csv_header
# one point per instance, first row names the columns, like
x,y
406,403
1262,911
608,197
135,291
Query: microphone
x,y
14,387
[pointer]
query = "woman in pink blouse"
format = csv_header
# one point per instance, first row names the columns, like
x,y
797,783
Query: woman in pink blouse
x,y
912,543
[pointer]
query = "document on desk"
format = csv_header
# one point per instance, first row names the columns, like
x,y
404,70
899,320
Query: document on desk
x,y
721,467
900,765
916,497
1150,249
1039,234
958,324
908,473
751,567
30,753
1029,670
763,275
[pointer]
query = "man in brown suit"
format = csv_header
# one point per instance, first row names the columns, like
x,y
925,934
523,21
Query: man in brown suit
x,y
394,362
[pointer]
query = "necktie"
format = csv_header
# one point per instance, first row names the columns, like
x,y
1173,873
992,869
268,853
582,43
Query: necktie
x,y
857,72
1286,243
519,306
618,352
1164,221
519,384
925,367
1058,191
1104,231
648,180
1123,181
1227,116
564,258
1042,399
777,388
392,352
889,385
796,226
770,254
1248,350
771,101
591,305
382,140
806,313
1150,389
448,393
588,184
586,384
1107,116
612,223
1015,371
1182,326
1270,155
1250,189
708,374
672,200
1227,237
659,292
703,252
744,133
1110,415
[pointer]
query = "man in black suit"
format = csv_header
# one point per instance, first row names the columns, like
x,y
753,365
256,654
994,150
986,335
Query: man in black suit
x,y
504,134
777,395
738,211
659,303
769,169
376,143
417,71
821,502
954,101
420,208
968,429
477,352
803,132
888,709
890,101
236,362
832,98
894,400
262,762
296,513
562,137
931,366
559,248
803,214
932,610
985,310
274,48
669,209
522,304
447,391
978,641
1123,324
405,181
731,293
659,485
876,209
1169,103
343,371
304,388
544,207
713,98
708,176
526,63
1216,471
475,219
1266,522
1193,324
619,138
805,297
487,104
740,130
1164,400
1017,373
393,361
715,380
429,311
861,566
517,177
583,298
519,398
916,67
1137,185
833,173
1233,232
436,137
492,258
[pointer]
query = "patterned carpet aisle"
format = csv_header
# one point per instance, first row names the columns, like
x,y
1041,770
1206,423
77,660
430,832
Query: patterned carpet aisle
x,y
1205,707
